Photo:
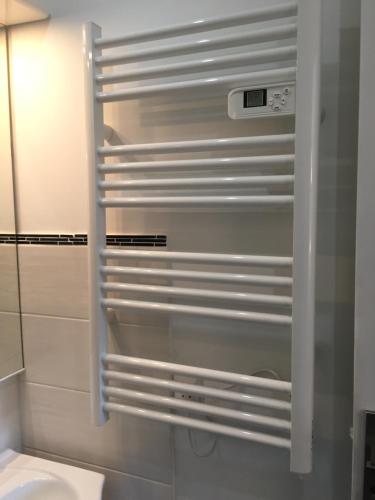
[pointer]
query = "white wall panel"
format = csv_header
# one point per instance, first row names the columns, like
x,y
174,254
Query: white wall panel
x,y
364,367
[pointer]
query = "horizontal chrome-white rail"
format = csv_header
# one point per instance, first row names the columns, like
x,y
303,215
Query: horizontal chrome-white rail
x,y
227,81
240,279
204,45
207,312
198,182
192,406
201,164
257,15
196,201
202,390
203,258
194,293
221,144
205,64
203,425
197,372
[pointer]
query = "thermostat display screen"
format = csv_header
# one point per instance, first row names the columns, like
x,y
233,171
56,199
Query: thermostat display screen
x,y
255,98
262,100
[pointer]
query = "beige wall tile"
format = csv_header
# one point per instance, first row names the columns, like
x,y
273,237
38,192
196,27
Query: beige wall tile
x,y
144,341
54,280
57,349
9,295
10,343
58,421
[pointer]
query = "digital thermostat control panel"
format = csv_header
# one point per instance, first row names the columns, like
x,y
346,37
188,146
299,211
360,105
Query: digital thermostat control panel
x,y
255,102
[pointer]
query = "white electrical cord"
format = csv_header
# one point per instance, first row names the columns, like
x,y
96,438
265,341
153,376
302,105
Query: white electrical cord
x,y
193,446
191,432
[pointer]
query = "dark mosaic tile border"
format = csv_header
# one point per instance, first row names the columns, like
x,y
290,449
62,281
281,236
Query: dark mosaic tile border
x,y
122,240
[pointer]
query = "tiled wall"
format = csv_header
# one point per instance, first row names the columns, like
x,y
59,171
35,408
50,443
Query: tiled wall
x,y
147,461
55,395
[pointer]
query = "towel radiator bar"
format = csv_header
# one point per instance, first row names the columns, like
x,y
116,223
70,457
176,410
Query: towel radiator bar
x,y
290,423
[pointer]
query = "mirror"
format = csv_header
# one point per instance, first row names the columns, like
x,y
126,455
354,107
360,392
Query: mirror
x,y
11,358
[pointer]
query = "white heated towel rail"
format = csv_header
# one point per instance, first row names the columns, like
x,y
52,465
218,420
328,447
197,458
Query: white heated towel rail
x,y
273,412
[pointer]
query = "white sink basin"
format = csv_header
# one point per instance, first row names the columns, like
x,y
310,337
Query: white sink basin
x,y
23,477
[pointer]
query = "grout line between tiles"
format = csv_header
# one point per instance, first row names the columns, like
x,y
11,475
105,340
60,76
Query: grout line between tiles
x,y
14,313
51,316
59,387
86,320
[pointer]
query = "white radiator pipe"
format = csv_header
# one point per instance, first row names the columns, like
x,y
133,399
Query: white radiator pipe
x,y
203,425
257,15
204,373
235,278
225,143
199,182
227,82
202,258
196,201
96,230
193,406
202,390
208,312
205,44
193,293
201,164
204,64
308,130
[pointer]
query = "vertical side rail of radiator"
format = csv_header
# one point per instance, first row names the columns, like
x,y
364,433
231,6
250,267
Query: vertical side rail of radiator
x,y
305,220
97,226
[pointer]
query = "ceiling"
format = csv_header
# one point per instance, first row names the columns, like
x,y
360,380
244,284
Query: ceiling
x,y
19,11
